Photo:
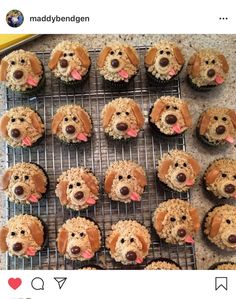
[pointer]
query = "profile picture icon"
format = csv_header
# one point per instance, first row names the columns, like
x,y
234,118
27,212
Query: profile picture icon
x,y
14,18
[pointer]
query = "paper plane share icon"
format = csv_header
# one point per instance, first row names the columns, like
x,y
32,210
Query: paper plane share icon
x,y
61,281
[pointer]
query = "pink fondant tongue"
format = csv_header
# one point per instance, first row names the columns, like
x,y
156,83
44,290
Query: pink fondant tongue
x,y
234,196
31,81
230,139
189,182
30,251
172,72
139,260
123,74
219,79
87,254
132,132
33,198
176,127
189,239
75,75
90,201
135,196
82,137
26,141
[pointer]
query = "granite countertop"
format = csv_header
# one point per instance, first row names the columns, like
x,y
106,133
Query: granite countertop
x,y
198,101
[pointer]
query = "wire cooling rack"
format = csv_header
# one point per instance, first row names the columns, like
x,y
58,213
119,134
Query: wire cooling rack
x,y
97,154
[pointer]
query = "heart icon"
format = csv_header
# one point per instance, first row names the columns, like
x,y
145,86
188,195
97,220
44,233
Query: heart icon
x,y
14,283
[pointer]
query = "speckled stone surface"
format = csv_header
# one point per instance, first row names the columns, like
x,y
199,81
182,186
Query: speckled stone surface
x,y
222,96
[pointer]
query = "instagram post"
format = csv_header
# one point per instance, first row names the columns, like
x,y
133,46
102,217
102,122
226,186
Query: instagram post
x,y
118,153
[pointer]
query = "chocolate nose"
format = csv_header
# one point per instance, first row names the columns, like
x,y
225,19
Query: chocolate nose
x,y
131,256
181,232
79,195
75,250
220,130
211,73
164,61
170,119
124,190
15,133
70,129
17,247
63,63
18,74
181,177
232,239
230,188
122,126
19,190
115,63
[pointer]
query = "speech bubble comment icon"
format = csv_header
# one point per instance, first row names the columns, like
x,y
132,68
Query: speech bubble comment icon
x,y
37,284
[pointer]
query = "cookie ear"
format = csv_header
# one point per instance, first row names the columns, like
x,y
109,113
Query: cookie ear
x,y
3,237
83,56
215,225
196,64
159,219
102,56
224,63
62,240
3,70
195,218
195,165
5,179
163,169
150,56
35,64
39,183
109,181
3,125
90,182
204,123
211,176
144,244
232,116
140,177
58,117
54,59
186,115
113,240
138,114
94,238
61,192
108,113
85,120
178,55
35,122
132,56
157,110
36,233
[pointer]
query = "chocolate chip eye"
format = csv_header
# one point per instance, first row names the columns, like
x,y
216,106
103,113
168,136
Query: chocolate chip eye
x,y
176,108
82,235
122,241
127,113
22,61
26,177
168,107
74,118
185,165
224,118
131,240
168,52
112,52
117,113
172,219
71,54
120,177
22,119
128,176
13,63
120,53
64,54
73,234
65,119
206,61
78,184
213,61
13,120
70,186
22,232
224,175
235,177
184,217
215,118
161,52
16,177
176,164
228,221
13,233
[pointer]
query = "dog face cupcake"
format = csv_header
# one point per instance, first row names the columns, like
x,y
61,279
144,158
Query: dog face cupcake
x,y
70,62
72,124
21,127
125,181
163,61
223,266
178,170
77,188
217,126
122,118
21,71
24,183
220,178
162,264
176,221
220,227
207,68
128,242
170,116
22,236
118,63
79,239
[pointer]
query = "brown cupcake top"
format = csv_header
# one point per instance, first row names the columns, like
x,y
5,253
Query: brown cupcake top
x,y
162,265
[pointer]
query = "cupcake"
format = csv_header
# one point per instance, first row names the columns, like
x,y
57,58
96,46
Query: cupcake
x,y
21,127
128,242
72,124
220,179
70,63
207,68
162,264
22,236
163,62
177,170
176,221
24,183
217,126
169,116
125,181
118,63
122,118
92,267
77,188
223,266
220,227
79,239
22,72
